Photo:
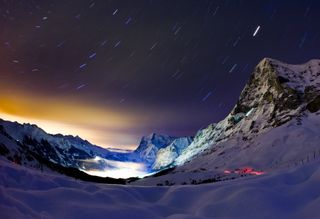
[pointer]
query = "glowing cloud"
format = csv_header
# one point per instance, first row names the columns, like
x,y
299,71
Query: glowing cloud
x,y
115,169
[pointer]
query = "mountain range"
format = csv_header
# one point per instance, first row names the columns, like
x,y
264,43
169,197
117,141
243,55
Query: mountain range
x,y
275,124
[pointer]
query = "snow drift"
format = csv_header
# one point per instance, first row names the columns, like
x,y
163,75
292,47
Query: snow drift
x,y
27,193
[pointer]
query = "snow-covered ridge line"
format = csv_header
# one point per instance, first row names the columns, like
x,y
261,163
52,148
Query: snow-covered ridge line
x,y
74,152
297,76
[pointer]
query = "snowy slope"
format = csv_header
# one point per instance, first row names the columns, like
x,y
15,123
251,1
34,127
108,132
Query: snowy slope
x,y
26,193
275,93
283,147
275,124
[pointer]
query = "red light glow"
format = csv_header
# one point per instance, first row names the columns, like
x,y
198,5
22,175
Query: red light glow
x,y
245,170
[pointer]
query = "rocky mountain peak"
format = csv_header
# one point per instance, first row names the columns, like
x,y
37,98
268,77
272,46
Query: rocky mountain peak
x,y
155,139
281,87
150,145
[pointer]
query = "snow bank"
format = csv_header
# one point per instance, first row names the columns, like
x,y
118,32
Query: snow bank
x,y
26,193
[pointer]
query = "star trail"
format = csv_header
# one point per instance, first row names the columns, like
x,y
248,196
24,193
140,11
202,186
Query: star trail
x,y
122,69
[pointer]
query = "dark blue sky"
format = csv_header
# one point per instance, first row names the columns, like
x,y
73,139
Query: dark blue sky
x,y
176,66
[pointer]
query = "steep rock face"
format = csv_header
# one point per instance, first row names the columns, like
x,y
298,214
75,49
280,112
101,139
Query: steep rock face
x,y
275,93
15,151
150,145
279,91
167,155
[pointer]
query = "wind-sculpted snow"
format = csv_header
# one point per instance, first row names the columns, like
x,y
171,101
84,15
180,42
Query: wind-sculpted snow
x,y
27,193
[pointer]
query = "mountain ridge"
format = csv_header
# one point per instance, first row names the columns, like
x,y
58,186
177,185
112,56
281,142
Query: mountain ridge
x,y
277,96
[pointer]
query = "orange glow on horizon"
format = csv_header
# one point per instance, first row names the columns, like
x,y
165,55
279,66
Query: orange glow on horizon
x,y
68,129
99,126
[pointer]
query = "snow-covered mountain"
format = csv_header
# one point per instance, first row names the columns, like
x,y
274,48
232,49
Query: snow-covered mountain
x,y
275,124
24,141
150,145
155,149
167,155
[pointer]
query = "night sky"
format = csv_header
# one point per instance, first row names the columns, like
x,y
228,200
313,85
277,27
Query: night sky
x,y
113,71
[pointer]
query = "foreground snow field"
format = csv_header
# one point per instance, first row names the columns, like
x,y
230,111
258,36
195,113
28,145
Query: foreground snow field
x,y
27,193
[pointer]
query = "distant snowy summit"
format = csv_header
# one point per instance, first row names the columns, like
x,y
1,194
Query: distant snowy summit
x,y
150,145
275,123
155,147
